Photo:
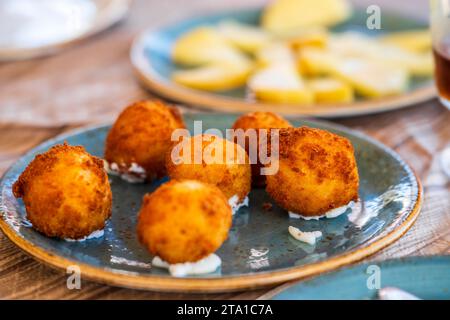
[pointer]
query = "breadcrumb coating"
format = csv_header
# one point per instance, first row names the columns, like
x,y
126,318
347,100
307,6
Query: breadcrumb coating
x,y
66,192
184,221
231,173
141,136
317,172
259,120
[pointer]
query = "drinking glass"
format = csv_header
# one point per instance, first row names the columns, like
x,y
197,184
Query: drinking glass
x,y
440,30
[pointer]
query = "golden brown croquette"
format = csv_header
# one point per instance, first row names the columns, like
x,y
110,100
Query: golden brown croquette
x,y
66,192
230,171
184,221
317,172
258,120
140,137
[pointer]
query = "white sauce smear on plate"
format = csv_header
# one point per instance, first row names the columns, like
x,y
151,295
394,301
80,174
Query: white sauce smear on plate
x,y
235,205
135,173
309,237
333,213
206,265
121,260
94,235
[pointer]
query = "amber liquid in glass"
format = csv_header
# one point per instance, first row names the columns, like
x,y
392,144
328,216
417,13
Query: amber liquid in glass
x,y
442,66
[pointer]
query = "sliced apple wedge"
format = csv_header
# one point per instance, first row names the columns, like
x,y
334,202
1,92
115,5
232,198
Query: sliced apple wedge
x,y
205,45
245,37
214,77
415,40
280,83
331,90
287,16
371,79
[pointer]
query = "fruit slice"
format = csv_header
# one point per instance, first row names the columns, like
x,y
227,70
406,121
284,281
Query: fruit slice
x,y
418,64
414,40
245,37
370,79
316,62
287,16
317,37
214,77
275,53
280,83
204,45
357,45
331,90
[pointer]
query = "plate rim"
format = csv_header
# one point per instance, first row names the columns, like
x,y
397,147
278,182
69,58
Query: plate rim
x,y
383,263
219,284
151,79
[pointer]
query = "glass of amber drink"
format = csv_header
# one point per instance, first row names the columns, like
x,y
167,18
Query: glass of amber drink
x,y
440,30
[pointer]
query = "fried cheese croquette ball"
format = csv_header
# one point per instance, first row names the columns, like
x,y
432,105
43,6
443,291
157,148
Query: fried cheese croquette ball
x,y
317,172
66,192
139,139
221,162
258,120
184,221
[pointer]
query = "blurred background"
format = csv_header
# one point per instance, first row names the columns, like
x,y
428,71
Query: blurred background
x,y
92,80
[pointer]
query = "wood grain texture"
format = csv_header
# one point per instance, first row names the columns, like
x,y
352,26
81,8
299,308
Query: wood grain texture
x,y
93,81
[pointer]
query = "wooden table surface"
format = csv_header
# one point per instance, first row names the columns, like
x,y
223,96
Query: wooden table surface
x,y
93,81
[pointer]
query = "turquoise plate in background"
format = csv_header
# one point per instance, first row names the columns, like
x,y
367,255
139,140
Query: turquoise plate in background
x,y
259,250
151,57
424,277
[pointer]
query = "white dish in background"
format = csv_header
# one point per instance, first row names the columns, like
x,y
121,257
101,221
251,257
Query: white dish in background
x,y
30,28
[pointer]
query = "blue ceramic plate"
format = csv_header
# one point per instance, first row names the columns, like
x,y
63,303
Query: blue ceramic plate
x,y
151,58
259,250
424,277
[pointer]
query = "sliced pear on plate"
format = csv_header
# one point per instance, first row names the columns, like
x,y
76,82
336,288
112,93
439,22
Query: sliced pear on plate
x,y
371,79
245,37
331,90
287,16
204,45
414,40
280,83
214,77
